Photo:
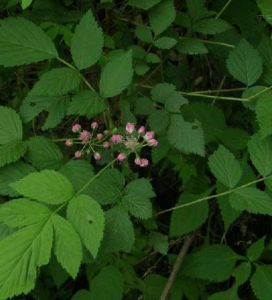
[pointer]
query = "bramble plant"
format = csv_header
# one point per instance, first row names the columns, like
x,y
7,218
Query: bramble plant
x,y
135,149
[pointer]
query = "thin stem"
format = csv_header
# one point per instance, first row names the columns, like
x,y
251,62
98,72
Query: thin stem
x,y
221,91
193,94
259,93
223,9
79,73
218,43
200,200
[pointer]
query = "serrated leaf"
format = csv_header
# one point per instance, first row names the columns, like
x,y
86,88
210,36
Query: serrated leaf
x,y
162,16
47,186
221,258
225,167
185,136
21,253
43,153
261,282
87,217
87,42
144,33
265,50
263,113
11,152
266,10
86,103
23,42
158,120
113,289
67,245
211,26
143,4
255,250
191,46
187,219
260,150
165,42
251,200
159,242
116,75
245,63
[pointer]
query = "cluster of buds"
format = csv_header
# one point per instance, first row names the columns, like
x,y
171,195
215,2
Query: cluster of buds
x,y
132,141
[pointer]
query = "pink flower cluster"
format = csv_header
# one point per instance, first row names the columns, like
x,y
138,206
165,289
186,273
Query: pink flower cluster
x,y
132,141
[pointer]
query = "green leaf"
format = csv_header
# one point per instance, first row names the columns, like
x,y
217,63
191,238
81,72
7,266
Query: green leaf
x,y
225,167
213,263
143,4
46,186
67,245
162,16
113,289
245,63
87,42
165,42
144,33
21,253
26,3
82,295
137,198
261,282
23,212
23,42
158,120
11,134
119,232
187,219
87,217
12,173
266,10
263,113
86,103
260,154
159,242
211,26
255,250
43,153
265,49
185,136
252,200
191,46
116,75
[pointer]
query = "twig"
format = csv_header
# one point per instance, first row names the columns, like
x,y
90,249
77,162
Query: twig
x,y
223,9
182,253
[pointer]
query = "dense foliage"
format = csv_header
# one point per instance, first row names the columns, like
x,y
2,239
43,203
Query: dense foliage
x,y
135,149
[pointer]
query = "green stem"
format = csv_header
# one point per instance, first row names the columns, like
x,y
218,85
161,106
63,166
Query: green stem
x,y
223,9
218,43
200,200
194,94
221,91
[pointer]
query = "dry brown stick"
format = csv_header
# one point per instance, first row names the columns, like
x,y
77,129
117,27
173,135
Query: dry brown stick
x,y
184,249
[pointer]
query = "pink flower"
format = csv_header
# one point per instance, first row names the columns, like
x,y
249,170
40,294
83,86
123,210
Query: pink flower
x,y
137,161
78,154
76,128
68,142
153,143
117,138
94,125
97,156
130,127
142,162
100,136
141,130
149,135
121,156
85,136
106,144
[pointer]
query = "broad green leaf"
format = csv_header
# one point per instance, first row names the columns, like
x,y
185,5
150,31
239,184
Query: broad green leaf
x,y
251,200
86,103
12,173
11,134
245,63
261,282
233,138
43,153
23,212
26,3
87,217
87,42
197,9
23,42
260,150
211,26
263,113
153,286
158,120
143,4
82,295
265,49
21,254
165,42
213,263
162,16
114,288
67,245
191,46
185,136
137,198
225,167
187,219
159,242
119,231
266,9
116,75
144,33
47,186
255,250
